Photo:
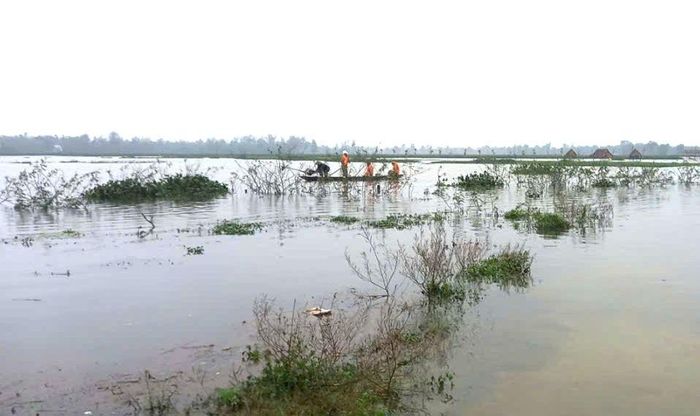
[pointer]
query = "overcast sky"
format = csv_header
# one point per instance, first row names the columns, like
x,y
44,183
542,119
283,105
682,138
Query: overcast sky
x,y
389,72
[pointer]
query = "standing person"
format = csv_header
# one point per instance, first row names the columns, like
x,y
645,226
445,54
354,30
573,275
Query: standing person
x,y
395,170
345,163
369,171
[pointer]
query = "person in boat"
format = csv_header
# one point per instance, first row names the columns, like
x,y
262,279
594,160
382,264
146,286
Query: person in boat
x,y
322,169
345,163
369,170
395,171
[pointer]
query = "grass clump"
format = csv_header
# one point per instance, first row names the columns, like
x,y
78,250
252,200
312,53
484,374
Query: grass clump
x,y
343,219
227,227
476,181
509,268
550,223
174,187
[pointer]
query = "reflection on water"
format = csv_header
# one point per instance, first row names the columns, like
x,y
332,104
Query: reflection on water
x,y
610,326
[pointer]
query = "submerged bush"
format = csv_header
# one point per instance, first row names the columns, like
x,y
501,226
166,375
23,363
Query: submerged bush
x,y
227,227
509,268
176,187
41,187
544,222
476,181
550,223
264,177
340,364
434,264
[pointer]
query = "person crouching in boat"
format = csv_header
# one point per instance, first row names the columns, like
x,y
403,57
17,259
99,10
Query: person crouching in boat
x,y
322,169
369,170
395,171
345,163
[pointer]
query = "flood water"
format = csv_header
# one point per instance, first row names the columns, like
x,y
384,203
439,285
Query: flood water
x,y
610,326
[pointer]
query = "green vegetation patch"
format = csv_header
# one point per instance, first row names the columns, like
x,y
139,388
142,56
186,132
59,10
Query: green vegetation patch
x,y
603,183
303,383
509,268
403,221
227,227
550,223
535,168
477,181
175,187
517,214
342,219
547,223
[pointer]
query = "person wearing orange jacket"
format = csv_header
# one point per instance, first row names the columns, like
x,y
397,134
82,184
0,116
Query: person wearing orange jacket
x,y
345,163
395,170
369,171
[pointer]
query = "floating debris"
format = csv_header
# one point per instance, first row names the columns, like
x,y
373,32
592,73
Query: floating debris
x,y
318,311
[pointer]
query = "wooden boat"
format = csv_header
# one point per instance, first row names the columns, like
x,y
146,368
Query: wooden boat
x,y
314,178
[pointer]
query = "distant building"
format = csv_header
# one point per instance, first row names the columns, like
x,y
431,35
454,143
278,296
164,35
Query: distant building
x,y
635,154
602,154
571,154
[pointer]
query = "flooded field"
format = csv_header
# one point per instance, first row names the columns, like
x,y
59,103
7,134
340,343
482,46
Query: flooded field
x,y
91,298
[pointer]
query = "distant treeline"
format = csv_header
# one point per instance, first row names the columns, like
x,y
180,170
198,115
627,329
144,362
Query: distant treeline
x,y
115,145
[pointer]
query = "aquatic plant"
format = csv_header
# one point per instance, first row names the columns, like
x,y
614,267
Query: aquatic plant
x,y
195,251
688,174
70,233
548,223
343,219
176,187
478,181
403,221
583,215
227,227
517,214
536,168
603,183
649,176
509,268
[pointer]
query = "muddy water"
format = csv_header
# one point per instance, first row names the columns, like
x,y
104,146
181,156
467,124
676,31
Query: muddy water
x,y
611,326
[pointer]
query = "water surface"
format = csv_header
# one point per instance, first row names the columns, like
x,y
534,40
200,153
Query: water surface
x,y
611,325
